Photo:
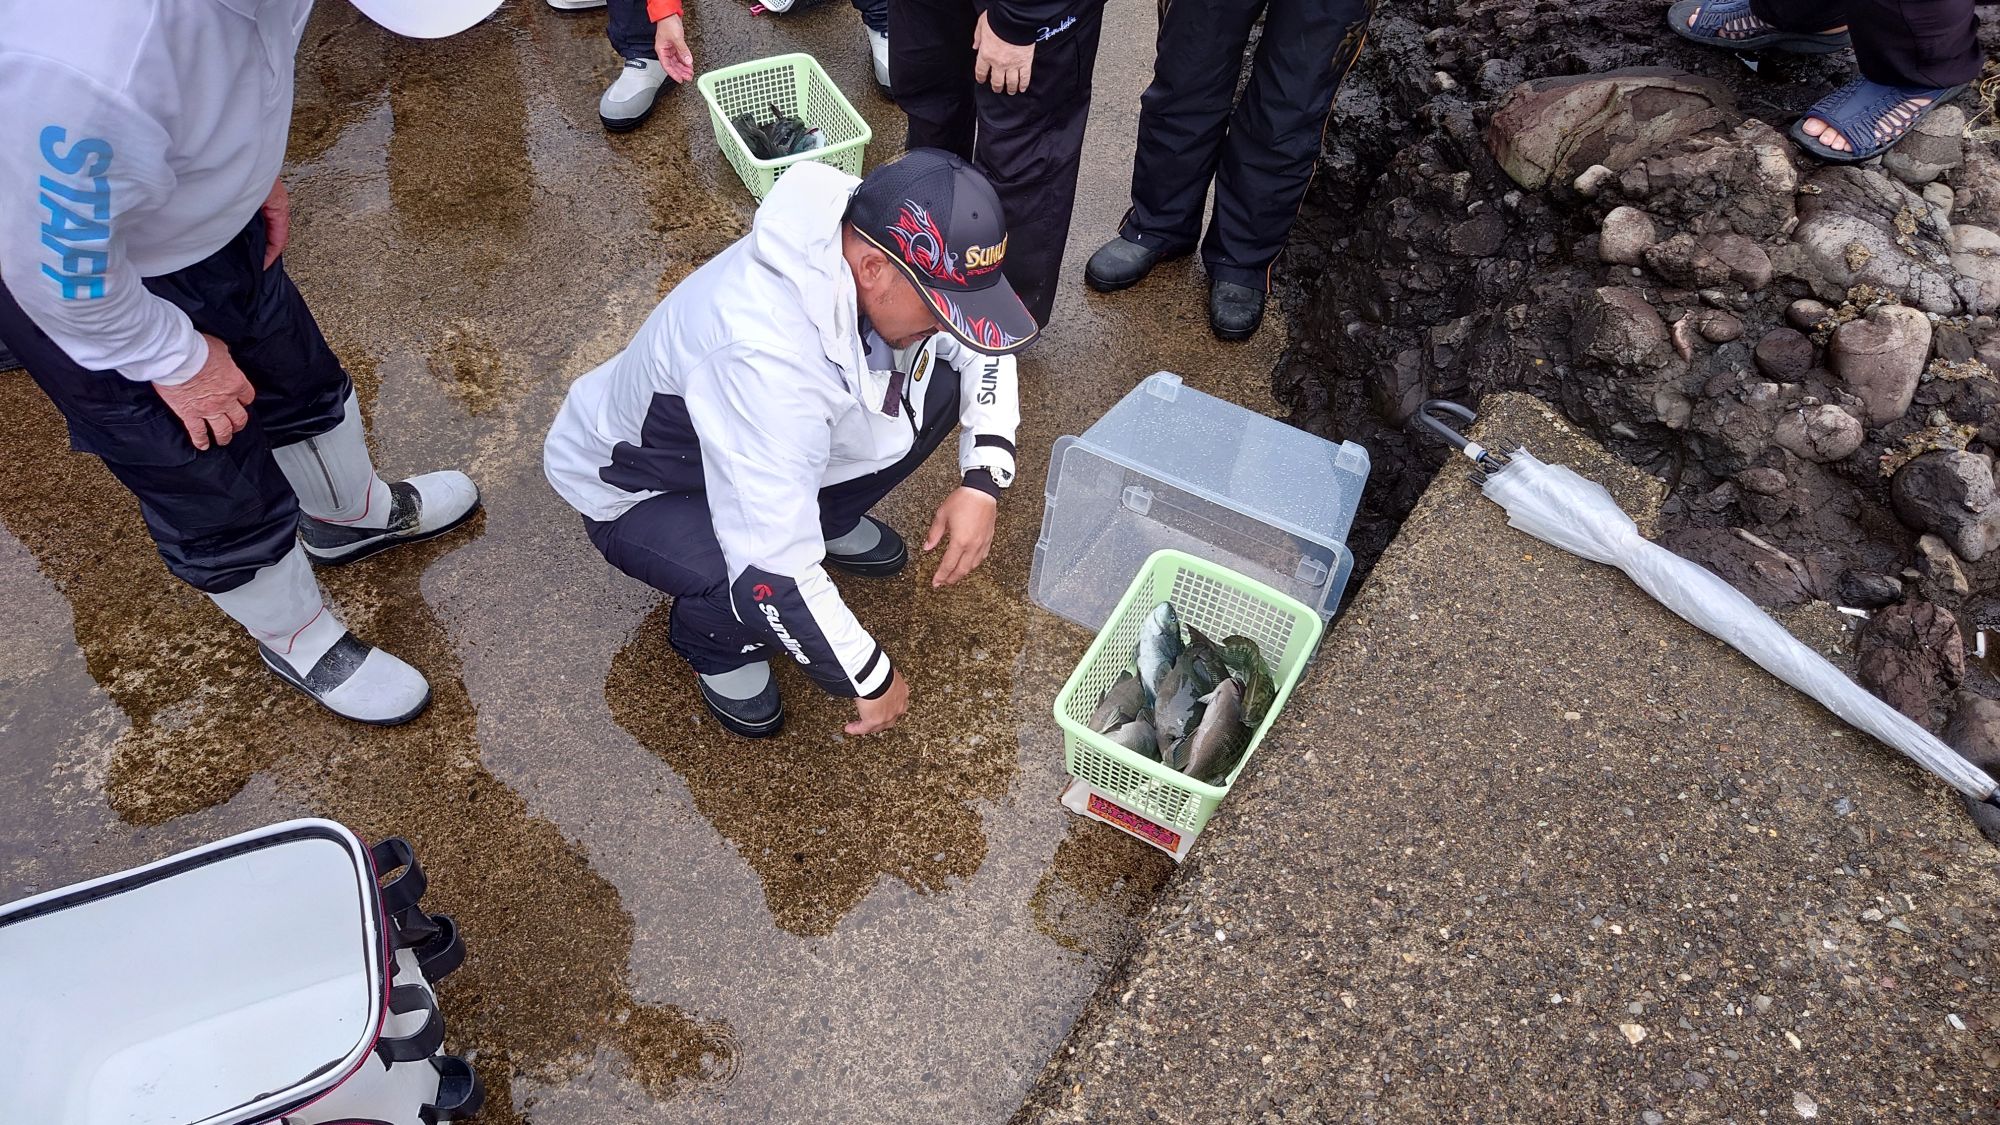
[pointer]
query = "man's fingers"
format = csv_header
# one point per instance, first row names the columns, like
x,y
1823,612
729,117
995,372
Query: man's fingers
x,y
981,69
245,393
197,432
949,569
238,417
936,535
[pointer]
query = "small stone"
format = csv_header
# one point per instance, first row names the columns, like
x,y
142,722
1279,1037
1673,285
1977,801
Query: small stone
x,y
1975,254
1806,313
1867,589
1797,1043
1952,494
1571,716
1819,433
1763,480
1937,563
1784,354
1443,83
1653,1117
1761,1002
1871,915
1941,199
1633,1033
1592,180
1899,925
1935,146
1625,236
1804,1105
1221,935
1718,327
1956,1023
1747,263
1880,359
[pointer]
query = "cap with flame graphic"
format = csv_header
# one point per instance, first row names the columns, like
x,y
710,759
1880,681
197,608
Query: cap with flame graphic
x,y
939,221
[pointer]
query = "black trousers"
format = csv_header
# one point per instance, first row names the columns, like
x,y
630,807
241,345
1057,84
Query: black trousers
x,y
629,28
1929,43
1259,152
668,542
221,514
1029,145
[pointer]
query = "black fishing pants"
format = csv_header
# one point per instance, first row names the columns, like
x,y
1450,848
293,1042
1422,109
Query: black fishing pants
x,y
218,515
1029,145
1259,152
874,13
1930,43
630,29
668,542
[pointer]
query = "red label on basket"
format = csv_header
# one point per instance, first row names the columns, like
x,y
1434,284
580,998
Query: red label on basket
x,y
1134,823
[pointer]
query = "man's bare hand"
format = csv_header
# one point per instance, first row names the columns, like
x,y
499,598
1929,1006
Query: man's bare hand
x,y
881,712
277,212
966,518
671,44
212,402
1002,65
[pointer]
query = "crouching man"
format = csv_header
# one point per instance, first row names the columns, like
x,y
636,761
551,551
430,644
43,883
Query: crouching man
x,y
733,449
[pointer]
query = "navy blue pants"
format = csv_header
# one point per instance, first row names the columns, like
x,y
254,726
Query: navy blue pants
x,y
221,514
629,29
874,13
1259,152
668,542
1929,43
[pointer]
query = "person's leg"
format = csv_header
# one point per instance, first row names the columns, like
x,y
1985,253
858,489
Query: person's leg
x,y
875,32
1929,44
225,521
629,29
1031,147
1183,117
307,410
668,542
930,69
1275,134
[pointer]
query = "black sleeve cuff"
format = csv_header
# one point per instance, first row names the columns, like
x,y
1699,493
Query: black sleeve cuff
x,y
982,479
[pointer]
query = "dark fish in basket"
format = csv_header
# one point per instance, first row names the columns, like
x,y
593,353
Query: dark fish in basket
x,y
1245,662
1221,739
1121,704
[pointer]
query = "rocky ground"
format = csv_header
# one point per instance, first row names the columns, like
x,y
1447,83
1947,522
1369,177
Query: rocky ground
x,y
1568,199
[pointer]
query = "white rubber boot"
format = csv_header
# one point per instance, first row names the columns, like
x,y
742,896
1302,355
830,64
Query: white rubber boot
x,y
351,512
878,50
306,645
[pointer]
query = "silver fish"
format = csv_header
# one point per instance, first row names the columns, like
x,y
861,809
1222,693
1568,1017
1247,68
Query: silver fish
x,y
1159,646
1219,742
1122,702
1178,710
1138,736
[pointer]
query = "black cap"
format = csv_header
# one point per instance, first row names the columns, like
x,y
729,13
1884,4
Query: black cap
x,y
939,220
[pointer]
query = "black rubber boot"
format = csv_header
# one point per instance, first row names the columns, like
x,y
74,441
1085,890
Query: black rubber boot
x,y
885,560
1234,311
1121,264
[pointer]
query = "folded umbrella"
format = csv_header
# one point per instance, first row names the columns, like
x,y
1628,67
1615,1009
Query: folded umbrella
x,y
1559,507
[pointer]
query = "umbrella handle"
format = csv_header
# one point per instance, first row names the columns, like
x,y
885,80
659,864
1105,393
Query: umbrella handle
x,y
1475,452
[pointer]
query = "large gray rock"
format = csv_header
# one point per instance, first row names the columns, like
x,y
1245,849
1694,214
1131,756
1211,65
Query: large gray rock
x,y
1931,149
1746,261
1743,181
1950,493
1819,433
1554,128
1914,658
1880,358
1858,227
1975,254
1625,236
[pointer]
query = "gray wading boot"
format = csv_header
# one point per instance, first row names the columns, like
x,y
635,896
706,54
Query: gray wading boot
x,y
871,550
422,507
745,700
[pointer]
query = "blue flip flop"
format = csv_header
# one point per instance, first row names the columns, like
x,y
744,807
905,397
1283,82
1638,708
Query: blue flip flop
x,y
1860,109
1715,15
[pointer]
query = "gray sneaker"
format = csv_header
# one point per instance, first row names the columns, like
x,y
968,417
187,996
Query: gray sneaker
x,y
630,99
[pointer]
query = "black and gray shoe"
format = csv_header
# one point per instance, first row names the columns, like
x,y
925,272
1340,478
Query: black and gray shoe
x,y
358,681
884,560
420,508
1121,264
1234,311
760,716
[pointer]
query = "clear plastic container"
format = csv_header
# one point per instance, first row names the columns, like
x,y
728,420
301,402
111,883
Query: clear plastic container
x,y
1171,468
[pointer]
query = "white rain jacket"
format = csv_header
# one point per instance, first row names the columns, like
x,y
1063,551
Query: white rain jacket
x,y
751,383
137,137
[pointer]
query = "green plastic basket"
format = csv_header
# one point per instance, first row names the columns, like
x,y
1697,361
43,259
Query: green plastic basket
x,y
797,85
1219,602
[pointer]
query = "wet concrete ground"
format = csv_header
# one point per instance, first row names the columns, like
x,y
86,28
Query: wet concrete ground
x,y
665,923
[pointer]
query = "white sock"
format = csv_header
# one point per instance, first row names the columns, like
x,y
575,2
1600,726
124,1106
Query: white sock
x,y
860,541
740,683
333,476
281,607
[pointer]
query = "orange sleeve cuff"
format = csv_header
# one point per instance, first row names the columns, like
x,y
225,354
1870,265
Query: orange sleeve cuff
x,y
657,10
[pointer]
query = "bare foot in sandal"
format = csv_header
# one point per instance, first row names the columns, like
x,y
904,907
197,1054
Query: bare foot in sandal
x,y
1891,127
1748,26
